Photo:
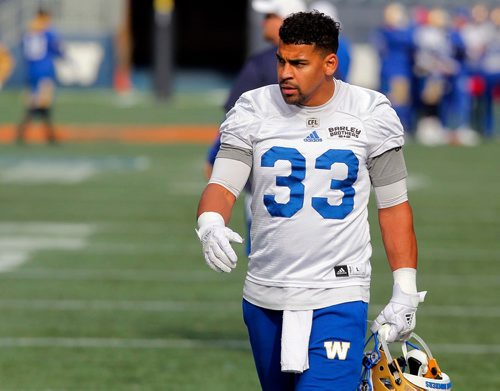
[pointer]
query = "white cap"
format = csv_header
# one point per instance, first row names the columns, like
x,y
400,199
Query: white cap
x,y
282,8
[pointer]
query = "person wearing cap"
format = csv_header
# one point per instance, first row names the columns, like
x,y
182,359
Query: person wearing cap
x,y
259,70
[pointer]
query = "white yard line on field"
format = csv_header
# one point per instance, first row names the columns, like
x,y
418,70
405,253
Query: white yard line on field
x,y
173,343
19,241
465,311
11,260
141,275
131,275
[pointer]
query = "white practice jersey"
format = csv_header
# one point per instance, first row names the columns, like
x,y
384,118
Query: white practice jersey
x,y
310,183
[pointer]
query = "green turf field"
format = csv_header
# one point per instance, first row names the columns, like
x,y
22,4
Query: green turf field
x,y
103,285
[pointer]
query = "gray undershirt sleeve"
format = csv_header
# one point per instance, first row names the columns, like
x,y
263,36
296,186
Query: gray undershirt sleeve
x,y
387,168
235,153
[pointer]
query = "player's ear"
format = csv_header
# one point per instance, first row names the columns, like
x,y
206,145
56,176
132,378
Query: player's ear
x,y
330,64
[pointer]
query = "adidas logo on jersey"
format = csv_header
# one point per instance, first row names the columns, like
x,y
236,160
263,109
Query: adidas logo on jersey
x,y
341,271
313,138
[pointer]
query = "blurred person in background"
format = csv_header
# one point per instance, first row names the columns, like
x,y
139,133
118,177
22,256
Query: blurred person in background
x,y
258,71
457,116
435,68
490,67
394,44
480,36
41,47
6,64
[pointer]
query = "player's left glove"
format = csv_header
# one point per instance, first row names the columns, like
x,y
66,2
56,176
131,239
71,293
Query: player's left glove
x,y
215,238
400,313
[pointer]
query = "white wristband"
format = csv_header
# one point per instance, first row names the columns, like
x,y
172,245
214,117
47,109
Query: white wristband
x,y
210,218
406,278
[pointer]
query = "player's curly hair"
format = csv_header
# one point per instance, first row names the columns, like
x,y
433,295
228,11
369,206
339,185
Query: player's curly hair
x,y
311,28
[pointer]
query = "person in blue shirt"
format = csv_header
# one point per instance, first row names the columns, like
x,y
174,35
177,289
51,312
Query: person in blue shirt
x,y
258,71
490,67
40,46
394,44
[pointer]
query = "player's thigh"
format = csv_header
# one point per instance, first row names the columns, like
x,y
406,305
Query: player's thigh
x,y
335,348
264,330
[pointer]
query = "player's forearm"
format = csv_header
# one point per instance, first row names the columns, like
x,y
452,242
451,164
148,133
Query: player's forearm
x,y
216,198
398,235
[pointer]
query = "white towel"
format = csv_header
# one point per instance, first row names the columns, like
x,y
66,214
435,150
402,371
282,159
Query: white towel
x,y
295,340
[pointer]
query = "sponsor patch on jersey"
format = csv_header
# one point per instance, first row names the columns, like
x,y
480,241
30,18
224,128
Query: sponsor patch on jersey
x,y
313,138
312,122
344,132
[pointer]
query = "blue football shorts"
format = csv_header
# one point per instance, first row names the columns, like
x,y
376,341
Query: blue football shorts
x,y
335,325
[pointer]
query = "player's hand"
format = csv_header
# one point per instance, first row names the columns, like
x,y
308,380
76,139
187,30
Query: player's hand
x,y
399,315
215,238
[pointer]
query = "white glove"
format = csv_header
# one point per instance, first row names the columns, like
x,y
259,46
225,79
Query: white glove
x,y
215,238
399,314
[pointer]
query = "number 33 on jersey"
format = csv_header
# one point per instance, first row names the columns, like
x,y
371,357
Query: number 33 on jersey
x,y
310,182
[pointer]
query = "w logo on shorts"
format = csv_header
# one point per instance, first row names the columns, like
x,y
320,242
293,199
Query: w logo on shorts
x,y
336,348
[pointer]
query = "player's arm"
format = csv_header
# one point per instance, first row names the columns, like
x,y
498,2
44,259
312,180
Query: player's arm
x,y
231,171
398,235
388,173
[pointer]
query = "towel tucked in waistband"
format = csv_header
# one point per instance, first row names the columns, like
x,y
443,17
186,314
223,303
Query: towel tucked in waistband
x,y
295,340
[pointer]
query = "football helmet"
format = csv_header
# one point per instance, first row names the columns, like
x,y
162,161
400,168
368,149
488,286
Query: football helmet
x,y
415,370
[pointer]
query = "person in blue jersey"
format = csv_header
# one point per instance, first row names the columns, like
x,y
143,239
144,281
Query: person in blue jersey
x,y
314,147
258,71
394,44
490,66
457,105
41,46
481,36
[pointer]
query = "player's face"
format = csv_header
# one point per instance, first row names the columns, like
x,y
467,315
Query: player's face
x,y
305,74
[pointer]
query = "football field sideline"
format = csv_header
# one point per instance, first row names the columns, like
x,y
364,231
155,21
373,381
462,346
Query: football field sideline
x,y
168,134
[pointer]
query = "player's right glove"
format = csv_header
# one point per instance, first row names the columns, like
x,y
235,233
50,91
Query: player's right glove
x,y
215,238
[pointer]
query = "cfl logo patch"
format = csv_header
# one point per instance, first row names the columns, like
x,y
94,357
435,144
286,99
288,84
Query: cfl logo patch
x,y
336,349
312,122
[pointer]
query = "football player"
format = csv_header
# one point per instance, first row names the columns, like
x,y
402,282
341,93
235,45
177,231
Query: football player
x,y
313,146
41,46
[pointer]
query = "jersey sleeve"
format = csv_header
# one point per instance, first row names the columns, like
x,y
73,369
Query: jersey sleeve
x,y
385,131
241,123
